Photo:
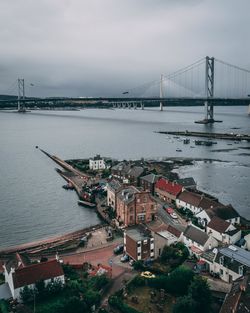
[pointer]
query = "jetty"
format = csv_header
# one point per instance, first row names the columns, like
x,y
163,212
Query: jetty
x,y
225,136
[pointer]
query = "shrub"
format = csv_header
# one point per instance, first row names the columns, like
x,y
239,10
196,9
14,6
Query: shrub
x,y
117,303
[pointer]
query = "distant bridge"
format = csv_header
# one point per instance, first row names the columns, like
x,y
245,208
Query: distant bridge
x,y
207,82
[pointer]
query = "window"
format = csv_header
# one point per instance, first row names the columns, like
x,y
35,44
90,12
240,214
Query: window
x,y
138,243
152,250
241,270
139,254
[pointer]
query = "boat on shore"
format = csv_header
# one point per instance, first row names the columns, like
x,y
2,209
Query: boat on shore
x,y
86,204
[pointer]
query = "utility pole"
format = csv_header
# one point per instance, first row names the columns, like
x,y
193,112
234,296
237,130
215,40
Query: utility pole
x,y
161,92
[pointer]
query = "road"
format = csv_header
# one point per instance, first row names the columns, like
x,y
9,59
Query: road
x,y
166,218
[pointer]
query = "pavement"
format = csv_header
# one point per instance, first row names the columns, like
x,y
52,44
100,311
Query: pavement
x,y
218,285
102,255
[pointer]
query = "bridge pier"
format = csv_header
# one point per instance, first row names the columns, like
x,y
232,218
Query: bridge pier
x,y
142,105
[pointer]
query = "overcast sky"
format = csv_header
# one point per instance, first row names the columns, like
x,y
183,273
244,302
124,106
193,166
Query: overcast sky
x,y
103,47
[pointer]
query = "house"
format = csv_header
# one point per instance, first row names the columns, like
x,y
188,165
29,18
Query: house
x,y
134,174
229,263
135,206
21,275
187,183
197,241
120,171
113,187
166,190
225,212
238,299
97,163
189,200
223,231
148,182
165,236
138,243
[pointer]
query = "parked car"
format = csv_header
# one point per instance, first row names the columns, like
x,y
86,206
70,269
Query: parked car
x,y
118,249
131,262
173,215
125,258
169,210
147,274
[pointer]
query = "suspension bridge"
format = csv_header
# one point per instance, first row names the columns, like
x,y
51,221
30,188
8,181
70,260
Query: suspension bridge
x,y
208,81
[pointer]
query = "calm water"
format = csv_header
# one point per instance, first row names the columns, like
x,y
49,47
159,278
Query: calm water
x,y
32,203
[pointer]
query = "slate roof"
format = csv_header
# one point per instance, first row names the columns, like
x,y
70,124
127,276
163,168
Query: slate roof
x,y
115,185
238,299
36,272
121,167
128,194
150,178
190,197
186,182
196,235
170,187
225,212
218,224
136,171
234,257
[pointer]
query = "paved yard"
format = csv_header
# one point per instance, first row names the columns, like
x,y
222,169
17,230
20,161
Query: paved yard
x,y
101,255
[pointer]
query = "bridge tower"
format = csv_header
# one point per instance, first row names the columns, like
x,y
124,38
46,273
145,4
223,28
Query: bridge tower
x,y
161,92
209,89
21,94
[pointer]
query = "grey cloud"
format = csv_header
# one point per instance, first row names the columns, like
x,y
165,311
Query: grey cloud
x,y
100,47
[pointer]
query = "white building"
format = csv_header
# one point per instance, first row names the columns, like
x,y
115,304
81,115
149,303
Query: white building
x,y
97,163
225,212
197,241
189,200
223,231
28,275
229,263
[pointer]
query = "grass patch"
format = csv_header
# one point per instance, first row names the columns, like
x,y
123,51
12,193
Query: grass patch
x,y
145,303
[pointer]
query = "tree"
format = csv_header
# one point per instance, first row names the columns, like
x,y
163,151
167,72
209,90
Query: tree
x,y
184,304
199,291
99,282
27,294
179,280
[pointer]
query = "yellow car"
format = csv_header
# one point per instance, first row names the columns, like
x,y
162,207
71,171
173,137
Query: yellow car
x,y
147,275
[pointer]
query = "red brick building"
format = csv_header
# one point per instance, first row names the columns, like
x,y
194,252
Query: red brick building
x,y
138,244
135,206
167,190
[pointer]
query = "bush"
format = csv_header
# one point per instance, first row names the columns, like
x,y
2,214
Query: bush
x,y
117,303
138,265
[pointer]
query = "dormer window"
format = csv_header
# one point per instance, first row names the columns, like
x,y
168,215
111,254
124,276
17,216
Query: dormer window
x,y
221,260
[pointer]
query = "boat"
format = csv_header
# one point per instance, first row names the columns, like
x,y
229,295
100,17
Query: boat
x,y
186,141
178,150
69,186
86,203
